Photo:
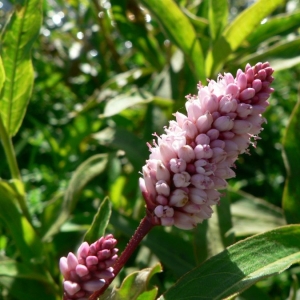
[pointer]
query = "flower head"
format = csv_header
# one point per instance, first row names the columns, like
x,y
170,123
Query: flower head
x,y
194,158
88,271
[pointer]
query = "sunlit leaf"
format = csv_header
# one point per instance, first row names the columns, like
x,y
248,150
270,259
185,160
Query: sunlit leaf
x,y
218,16
180,31
240,266
19,34
100,222
237,31
291,153
2,75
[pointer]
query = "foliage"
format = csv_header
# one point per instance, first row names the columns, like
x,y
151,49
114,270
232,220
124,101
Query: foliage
x,y
101,77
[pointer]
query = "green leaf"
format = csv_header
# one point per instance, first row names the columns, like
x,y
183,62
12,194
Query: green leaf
x,y
100,222
274,26
252,215
123,101
218,16
29,244
89,169
136,283
236,33
19,34
2,75
240,266
278,55
291,152
180,31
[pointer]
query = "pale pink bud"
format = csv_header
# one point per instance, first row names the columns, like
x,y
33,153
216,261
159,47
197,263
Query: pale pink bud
x,y
224,173
166,152
226,135
227,104
194,110
183,221
83,250
244,110
191,208
162,200
167,221
72,261
232,90
177,165
178,198
205,212
241,126
63,266
71,287
162,188
81,270
217,143
223,123
186,153
203,151
250,74
93,285
181,179
162,172
242,142
197,196
218,155
190,128
219,183
213,195
202,139
91,261
242,81
201,181
257,85
247,94
231,148
213,134
180,118
204,122
209,103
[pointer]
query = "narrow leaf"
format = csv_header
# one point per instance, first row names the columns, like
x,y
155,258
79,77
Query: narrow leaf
x,y
291,152
19,34
240,266
218,15
100,222
89,169
180,31
237,32
2,75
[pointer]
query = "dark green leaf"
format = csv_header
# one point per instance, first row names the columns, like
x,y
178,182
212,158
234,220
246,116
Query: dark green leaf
x,y
89,169
19,34
291,153
100,222
240,266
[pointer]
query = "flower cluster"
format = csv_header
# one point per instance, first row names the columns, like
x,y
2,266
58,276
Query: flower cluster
x,y
192,160
88,271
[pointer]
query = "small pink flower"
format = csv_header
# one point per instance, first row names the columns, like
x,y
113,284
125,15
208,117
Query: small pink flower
x,y
194,158
88,271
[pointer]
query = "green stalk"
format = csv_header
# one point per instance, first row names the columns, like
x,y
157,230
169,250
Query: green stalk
x,y
13,165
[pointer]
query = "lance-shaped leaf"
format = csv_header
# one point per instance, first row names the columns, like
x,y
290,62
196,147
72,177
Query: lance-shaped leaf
x,y
180,31
19,34
100,222
240,266
291,157
2,75
237,32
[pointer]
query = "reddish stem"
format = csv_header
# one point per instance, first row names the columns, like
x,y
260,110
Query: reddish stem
x,y
145,226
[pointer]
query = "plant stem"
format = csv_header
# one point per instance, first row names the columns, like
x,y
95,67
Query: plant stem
x,y
145,226
13,165
9,152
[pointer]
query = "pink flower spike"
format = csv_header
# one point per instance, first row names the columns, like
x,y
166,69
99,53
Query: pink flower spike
x,y
197,151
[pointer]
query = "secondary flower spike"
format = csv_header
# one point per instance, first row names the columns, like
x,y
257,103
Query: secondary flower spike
x,y
194,158
88,271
